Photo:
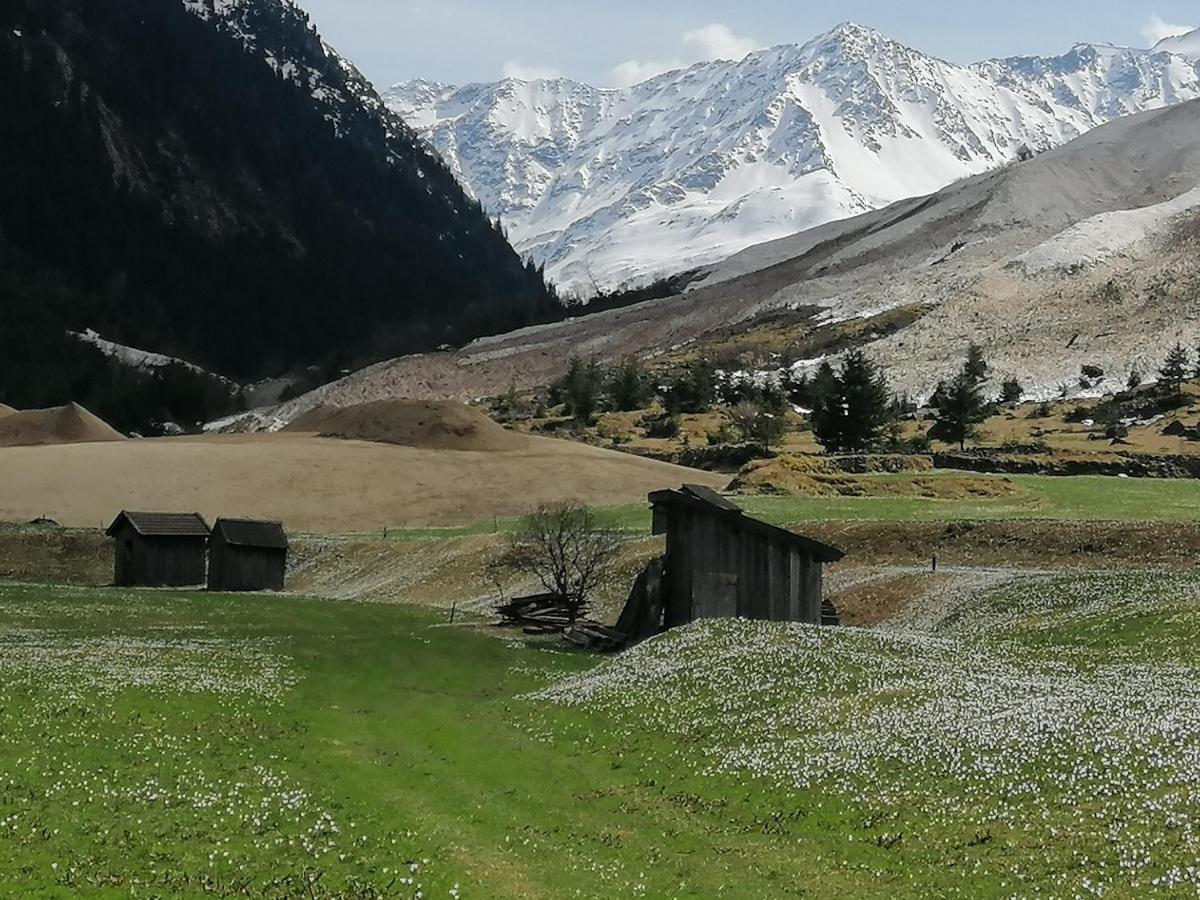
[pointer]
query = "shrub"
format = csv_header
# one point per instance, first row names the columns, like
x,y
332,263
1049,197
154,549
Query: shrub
x,y
1011,391
758,426
660,425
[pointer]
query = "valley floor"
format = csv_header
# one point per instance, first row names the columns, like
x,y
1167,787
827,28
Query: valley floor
x,y
1015,733
1024,721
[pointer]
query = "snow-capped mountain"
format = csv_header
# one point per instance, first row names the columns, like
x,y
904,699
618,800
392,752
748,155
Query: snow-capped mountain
x,y
612,187
1187,45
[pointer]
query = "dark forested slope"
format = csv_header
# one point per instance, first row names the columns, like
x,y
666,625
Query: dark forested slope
x,y
217,184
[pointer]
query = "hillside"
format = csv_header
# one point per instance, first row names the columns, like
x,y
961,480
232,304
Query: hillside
x,y
211,182
610,187
321,484
1083,255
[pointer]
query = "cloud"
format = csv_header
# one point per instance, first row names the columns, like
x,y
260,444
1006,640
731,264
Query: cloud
x,y
715,41
633,72
718,41
522,72
1156,30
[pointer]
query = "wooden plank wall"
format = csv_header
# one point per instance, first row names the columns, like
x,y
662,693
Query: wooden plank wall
x,y
775,581
164,561
246,568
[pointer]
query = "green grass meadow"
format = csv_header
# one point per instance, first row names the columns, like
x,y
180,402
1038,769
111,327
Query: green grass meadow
x,y
168,743
1036,497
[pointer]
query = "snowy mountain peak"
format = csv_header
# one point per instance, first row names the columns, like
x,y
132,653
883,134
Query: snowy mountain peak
x,y
852,37
617,186
1185,45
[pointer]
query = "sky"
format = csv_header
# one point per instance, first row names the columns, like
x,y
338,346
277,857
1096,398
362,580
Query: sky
x,y
613,43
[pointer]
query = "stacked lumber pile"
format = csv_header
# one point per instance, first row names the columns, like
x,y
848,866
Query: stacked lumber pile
x,y
538,614
549,614
594,636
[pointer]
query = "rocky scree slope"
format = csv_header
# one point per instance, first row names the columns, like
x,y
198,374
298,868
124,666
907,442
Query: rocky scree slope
x,y
612,187
1085,254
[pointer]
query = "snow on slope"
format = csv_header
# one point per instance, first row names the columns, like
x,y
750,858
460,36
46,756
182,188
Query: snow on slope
x,y
1186,45
268,28
616,186
140,359
1105,235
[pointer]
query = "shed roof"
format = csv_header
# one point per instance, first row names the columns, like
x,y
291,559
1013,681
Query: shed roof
x,y
697,497
160,524
252,533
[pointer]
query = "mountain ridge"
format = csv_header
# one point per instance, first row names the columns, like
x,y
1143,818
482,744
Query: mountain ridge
x,y
208,180
609,187
1082,256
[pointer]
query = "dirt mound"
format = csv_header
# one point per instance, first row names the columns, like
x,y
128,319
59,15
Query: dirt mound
x,y
428,425
70,424
6,410
806,476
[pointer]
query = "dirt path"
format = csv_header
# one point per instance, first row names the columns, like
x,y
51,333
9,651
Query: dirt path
x,y
912,597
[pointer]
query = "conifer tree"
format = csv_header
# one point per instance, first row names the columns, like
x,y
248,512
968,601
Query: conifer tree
x,y
1175,369
852,414
961,410
1011,391
823,383
693,389
580,388
976,367
627,386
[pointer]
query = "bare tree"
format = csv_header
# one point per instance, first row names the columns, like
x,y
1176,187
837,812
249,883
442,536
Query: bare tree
x,y
759,427
563,547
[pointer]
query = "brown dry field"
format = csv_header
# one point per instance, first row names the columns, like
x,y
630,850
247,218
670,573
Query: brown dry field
x,y
318,484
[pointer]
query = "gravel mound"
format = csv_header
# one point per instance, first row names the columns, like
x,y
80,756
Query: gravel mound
x,y
429,425
70,424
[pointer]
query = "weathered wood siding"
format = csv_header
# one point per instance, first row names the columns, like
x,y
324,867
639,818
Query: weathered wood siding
x,y
157,561
233,568
718,570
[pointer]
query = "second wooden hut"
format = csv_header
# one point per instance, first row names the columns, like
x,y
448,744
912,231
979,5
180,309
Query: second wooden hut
x,y
247,555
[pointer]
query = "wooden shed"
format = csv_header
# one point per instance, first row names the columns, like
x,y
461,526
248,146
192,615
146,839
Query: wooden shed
x,y
158,549
721,563
247,555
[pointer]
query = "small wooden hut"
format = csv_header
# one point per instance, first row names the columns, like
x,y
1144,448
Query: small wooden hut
x,y
721,563
158,549
247,555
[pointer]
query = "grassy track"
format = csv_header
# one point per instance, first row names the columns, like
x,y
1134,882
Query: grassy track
x,y
169,743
